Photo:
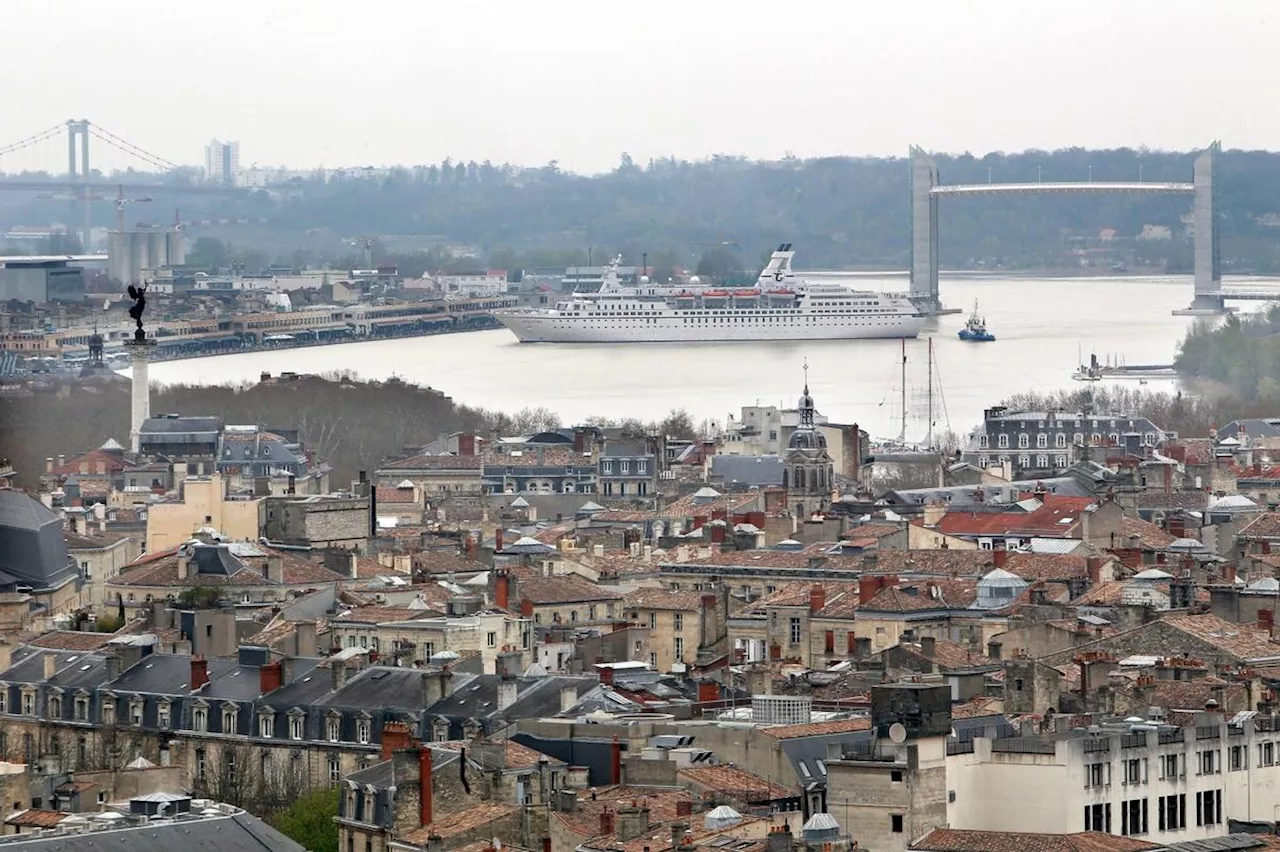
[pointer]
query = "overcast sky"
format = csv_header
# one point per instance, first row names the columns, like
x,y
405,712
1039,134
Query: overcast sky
x,y
336,82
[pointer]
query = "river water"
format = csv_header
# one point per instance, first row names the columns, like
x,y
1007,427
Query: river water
x,y
1042,326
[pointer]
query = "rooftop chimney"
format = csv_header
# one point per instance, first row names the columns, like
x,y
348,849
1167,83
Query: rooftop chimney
x,y
507,691
568,698
50,665
424,785
395,737
817,598
927,646
270,678
199,672
606,821
999,555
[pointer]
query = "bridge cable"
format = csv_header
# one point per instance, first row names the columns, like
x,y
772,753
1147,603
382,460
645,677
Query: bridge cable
x,y
124,145
32,140
133,151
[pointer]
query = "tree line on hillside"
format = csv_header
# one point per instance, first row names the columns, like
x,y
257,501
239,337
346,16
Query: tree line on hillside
x,y
348,423
838,211
1241,354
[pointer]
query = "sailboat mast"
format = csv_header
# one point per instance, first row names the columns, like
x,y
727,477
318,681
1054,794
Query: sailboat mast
x,y
902,436
928,438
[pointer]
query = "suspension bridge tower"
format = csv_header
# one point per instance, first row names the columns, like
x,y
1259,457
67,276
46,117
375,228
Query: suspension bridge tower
x,y
78,176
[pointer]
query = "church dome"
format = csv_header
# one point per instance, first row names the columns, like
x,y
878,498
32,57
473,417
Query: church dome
x,y
807,439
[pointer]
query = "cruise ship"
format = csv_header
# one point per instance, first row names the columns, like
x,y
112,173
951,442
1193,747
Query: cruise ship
x,y
779,307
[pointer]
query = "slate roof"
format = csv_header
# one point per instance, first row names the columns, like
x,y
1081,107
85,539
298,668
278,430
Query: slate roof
x,y
239,832
748,470
32,548
477,697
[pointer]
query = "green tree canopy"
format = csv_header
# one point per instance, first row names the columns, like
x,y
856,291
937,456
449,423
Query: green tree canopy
x,y
309,820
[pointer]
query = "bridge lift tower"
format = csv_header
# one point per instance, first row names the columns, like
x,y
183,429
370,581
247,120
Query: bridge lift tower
x,y
1208,297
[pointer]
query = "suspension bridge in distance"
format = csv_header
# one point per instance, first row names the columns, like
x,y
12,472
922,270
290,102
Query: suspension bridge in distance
x,y
79,179
1208,296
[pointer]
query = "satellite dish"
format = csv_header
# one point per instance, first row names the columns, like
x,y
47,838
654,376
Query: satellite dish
x,y
897,733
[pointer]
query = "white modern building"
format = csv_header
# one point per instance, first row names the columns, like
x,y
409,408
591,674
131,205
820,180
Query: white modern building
x,y
222,162
1139,779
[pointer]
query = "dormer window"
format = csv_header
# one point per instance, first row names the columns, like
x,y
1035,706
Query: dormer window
x,y
296,726
229,719
332,729
362,731
200,720
135,712
266,724
55,706
163,714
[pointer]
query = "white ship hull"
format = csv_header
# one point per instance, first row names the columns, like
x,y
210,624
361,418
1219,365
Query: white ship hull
x,y
548,327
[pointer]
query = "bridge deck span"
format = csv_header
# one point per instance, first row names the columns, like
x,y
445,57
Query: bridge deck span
x,y
1072,187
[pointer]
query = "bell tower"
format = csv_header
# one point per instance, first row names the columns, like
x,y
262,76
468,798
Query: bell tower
x,y
810,471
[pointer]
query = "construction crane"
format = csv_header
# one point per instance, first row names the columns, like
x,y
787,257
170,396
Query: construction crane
x,y
122,202
367,244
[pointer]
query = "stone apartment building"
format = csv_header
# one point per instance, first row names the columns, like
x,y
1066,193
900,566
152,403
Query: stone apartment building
x,y
101,555
318,521
675,623
444,795
1048,442
414,636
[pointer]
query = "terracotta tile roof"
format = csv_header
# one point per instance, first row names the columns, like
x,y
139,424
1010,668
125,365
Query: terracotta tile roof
x,y
394,496
161,569
584,821
947,563
918,597
94,540
35,818
874,530
958,840
1237,640
533,456
798,594
1102,594
1194,501
444,562
814,553
817,729
75,786
517,756
976,708
1057,517
949,656
1266,525
623,516
1192,694
552,534
425,463
111,462
1048,566
663,599
735,782
689,507
71,640
460,822
563,589
1150,536
380,615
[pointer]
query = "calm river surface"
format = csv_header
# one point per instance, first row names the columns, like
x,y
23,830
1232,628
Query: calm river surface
x,y
1041,324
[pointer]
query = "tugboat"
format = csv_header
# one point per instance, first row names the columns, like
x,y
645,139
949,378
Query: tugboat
x,y
975,330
